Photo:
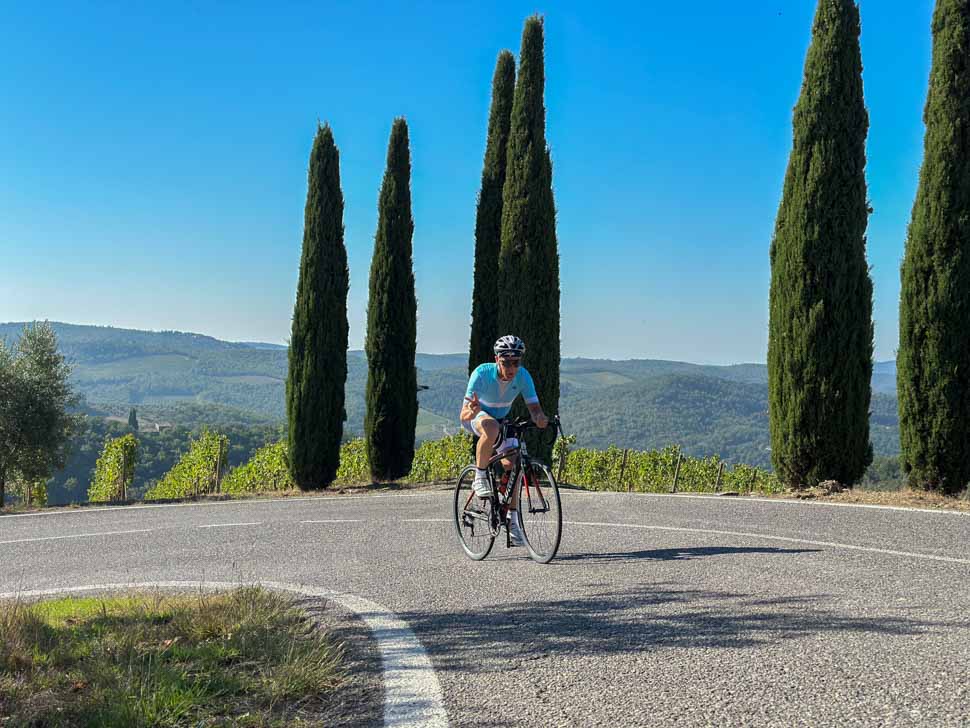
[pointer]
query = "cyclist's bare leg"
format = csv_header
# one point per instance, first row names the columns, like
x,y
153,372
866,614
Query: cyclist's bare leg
x,y
489,429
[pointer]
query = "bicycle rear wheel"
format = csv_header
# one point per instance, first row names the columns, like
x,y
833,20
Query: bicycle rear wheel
x,y
473,518
540,511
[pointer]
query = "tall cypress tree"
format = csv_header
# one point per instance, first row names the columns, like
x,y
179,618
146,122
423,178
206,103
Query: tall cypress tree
x,y
529,257
820,318
488,222
933,364
392,385
318,341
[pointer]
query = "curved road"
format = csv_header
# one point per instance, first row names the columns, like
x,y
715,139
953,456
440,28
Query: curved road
x,y
658,609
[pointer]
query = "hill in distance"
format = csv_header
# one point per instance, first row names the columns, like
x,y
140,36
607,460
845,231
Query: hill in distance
x,y
192,379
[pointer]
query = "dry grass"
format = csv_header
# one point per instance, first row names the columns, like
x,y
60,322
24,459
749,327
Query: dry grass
x,y
903,498
241,658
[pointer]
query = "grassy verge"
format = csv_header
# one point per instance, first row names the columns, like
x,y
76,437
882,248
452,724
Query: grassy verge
x,y
243,658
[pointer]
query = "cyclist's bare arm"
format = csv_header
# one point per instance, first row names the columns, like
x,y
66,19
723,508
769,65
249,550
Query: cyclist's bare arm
x,y
538,416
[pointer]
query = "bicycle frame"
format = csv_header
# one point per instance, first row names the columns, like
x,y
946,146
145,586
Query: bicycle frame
x,y
521,467
525,487
500,501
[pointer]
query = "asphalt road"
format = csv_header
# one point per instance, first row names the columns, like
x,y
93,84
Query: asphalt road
x,y
658,609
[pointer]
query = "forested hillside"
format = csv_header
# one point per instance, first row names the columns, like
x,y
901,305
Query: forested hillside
x,y
192,380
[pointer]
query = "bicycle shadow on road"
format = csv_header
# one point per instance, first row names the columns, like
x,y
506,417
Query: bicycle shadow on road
x,y
680,554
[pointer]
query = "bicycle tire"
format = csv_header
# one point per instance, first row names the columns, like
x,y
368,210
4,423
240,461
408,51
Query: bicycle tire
x,y
540,511
472,517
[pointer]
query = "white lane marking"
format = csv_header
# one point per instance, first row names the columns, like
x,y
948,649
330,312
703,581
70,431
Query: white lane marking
x,y
776,501
76,535
412,694
319,498
337,520
948,559
426,520
831,544
229,525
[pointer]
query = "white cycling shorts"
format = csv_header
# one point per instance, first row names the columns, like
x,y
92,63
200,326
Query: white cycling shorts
x,y
475,429
471,427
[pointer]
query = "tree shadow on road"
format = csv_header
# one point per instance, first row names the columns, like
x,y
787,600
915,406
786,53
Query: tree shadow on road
x,y
652,617
680,554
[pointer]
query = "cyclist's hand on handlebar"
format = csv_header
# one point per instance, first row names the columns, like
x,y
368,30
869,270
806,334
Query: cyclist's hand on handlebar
x,y
541,420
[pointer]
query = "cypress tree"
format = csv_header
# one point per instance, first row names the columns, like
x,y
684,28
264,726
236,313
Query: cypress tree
x,y
529,258
132,420
392,385
488,221
318,341
820,310
933,362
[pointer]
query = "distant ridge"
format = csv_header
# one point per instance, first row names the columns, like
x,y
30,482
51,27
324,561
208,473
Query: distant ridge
x,y
637,403
261,345
72,333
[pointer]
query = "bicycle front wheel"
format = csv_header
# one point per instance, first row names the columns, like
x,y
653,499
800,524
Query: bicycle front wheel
x,y
473,518
540,511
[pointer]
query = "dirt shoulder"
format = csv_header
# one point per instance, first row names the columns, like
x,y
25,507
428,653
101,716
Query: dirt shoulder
x,y
904,498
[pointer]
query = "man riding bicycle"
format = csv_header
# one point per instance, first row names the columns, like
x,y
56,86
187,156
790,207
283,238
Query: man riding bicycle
x,y
492,388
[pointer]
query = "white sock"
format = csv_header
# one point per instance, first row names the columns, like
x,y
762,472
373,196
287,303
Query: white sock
x,y
480,473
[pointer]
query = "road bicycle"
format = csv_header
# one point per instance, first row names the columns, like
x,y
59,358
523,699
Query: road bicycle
x,y
478,521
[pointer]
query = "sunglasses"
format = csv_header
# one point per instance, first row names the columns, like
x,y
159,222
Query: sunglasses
x,y
516,361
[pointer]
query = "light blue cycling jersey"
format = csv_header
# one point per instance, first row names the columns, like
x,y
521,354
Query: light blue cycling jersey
x,y
494,395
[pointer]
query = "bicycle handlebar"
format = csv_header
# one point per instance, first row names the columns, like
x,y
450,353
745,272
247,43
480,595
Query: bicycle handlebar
x,y
522,425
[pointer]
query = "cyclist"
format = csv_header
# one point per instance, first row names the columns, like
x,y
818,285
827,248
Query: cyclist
x,y
492,388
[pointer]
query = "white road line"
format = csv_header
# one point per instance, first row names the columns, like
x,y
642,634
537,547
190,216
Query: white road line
x,y
229,525
776,501
831,544
426,520
238,502
337,520
412,694
76,535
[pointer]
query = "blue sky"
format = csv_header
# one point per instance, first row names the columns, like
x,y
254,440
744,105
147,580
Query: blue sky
x,y
153,160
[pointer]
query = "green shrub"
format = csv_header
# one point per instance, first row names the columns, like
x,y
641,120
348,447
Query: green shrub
x,y
747,478
646,471
31,493
440,459
652,471
434,460
353,468
199,470
266,470
115,469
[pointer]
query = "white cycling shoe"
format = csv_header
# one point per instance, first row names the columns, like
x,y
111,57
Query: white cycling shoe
x,y
482,487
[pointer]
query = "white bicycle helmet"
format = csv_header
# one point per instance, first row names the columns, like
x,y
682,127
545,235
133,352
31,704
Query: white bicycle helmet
x,y
509,345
